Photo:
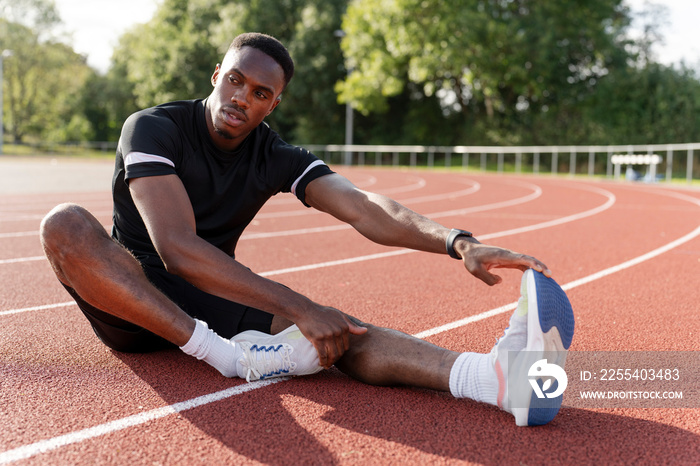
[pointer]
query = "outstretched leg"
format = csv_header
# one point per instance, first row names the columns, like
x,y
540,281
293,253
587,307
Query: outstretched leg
x,y
384,356
537,339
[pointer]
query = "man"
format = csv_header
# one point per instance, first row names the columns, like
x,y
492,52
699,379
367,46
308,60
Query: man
x,y
190,176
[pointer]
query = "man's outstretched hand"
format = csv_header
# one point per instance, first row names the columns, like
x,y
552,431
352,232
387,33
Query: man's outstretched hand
x,y
480,258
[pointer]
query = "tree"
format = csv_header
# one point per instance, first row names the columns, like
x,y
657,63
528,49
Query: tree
x,y
490,61
173,56
42,80
652,105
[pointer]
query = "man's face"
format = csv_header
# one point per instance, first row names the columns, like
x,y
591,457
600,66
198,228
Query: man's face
x,y
247,87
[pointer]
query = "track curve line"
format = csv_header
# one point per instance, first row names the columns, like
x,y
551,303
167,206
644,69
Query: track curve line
x,y
537,191
475,186
560,221
581,281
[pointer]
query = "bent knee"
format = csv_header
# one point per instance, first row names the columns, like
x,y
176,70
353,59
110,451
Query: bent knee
x,y
67,224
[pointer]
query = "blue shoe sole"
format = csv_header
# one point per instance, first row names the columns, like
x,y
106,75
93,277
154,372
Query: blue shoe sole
x,y
554,311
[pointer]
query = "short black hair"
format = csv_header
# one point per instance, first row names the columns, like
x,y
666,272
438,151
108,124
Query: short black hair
x,y
269,46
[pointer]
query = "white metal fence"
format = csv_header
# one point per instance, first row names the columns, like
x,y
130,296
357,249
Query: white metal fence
x,y
675,160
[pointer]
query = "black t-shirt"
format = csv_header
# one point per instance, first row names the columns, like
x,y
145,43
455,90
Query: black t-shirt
x,y
226,189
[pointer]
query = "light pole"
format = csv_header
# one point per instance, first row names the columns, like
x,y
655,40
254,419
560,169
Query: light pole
x,y
3,55
348,113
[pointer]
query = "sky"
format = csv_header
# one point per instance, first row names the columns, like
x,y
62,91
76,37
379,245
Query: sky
x,y
96,25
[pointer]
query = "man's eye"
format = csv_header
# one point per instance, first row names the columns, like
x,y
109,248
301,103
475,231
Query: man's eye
x,y
232,79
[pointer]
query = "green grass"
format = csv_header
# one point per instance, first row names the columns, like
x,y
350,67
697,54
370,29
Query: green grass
x,y
56,150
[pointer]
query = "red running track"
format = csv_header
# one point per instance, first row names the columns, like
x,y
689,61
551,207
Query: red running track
x,y
628,256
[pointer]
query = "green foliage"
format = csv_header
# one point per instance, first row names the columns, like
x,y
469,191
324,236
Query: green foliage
x,y
42,87
508,63
171,57
174,55
638,106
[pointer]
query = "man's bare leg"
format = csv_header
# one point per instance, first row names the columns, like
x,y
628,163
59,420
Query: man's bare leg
x,y
109,278
384,356
106,275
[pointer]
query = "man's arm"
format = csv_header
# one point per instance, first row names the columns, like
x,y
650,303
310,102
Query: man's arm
x,y
167,212
387,222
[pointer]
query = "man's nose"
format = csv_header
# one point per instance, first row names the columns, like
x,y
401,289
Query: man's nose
x,y
240,97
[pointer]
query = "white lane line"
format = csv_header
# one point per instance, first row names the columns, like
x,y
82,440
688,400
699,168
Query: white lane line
x,y
559,221
305,231
266,215
435,197
418,184
288,198
536,192
37,308
22,259
19,234
568,286
351,260
581,281
400,252
570,218
27,451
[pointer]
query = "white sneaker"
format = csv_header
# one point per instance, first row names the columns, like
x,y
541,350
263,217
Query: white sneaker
x,y
265,356
526,389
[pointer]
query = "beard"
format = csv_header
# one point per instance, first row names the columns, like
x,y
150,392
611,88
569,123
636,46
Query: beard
x,y
220,131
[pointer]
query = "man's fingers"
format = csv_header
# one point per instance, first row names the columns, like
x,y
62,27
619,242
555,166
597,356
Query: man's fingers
x,y
486,258
331,337
356,329
322,354
532,263
489,278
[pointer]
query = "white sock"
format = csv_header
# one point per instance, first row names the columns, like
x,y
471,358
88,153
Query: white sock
x,y
220,353
474,377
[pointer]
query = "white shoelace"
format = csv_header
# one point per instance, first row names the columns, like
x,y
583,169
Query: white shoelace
x,y
266,361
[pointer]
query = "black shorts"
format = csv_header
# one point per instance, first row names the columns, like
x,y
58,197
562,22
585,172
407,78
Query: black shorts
x,y
225,317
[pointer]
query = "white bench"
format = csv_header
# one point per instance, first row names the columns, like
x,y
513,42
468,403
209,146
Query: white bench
x,y
650,160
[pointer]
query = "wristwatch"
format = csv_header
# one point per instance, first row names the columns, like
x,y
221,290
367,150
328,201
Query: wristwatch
x,y
450,243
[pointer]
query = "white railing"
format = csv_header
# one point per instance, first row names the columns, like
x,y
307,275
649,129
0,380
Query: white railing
x,y
677,159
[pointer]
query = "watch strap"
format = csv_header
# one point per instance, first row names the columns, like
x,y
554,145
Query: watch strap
x,y
449,243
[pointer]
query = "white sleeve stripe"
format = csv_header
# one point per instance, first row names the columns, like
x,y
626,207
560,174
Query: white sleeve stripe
x,y
141,157
308,169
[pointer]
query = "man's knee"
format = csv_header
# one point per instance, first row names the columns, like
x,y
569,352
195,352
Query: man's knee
x,y
67,224
69,231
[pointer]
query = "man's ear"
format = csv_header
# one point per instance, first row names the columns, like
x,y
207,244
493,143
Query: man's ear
x,y
275,104
215,76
